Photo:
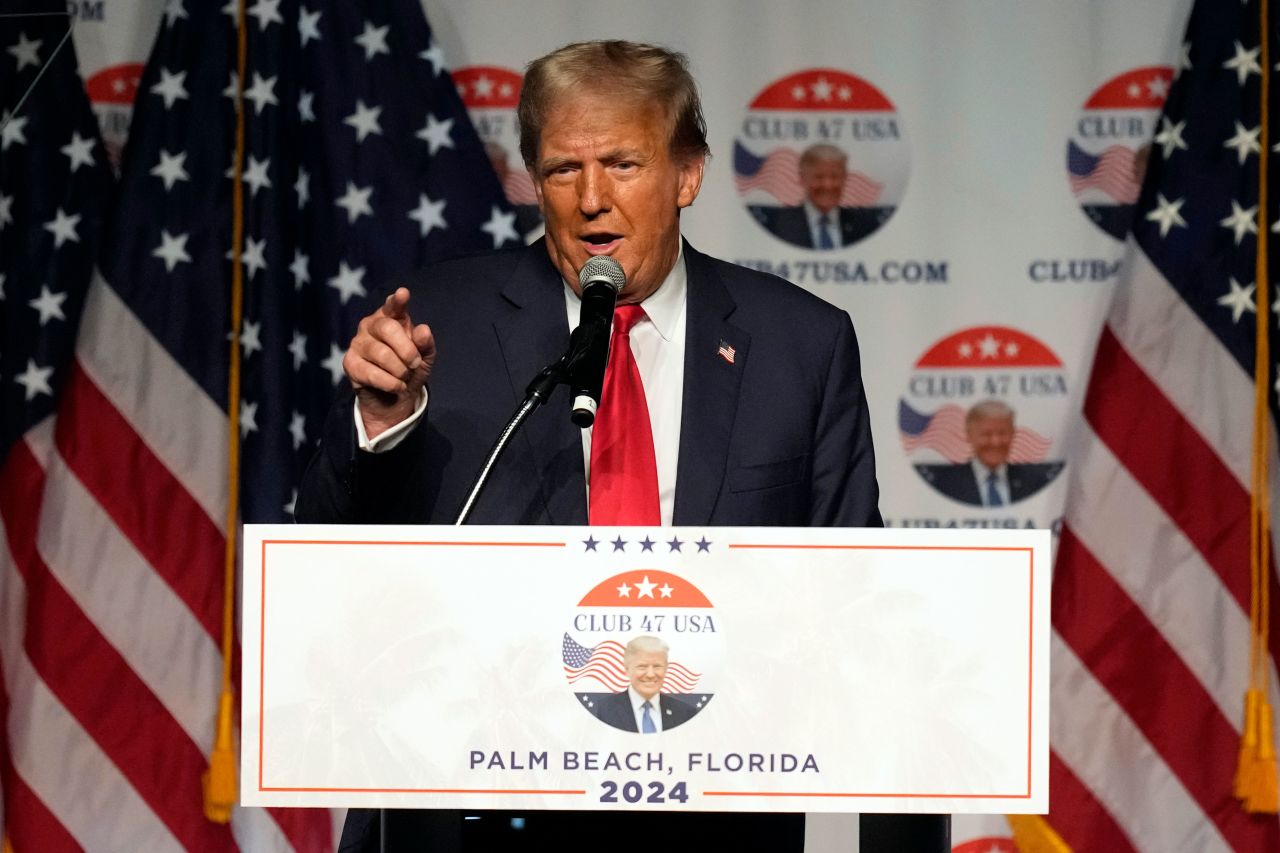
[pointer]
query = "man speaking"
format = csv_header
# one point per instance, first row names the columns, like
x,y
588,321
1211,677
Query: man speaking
x,y
731,398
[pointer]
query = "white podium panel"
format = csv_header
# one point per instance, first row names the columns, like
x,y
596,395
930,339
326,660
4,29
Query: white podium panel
x,y
787,669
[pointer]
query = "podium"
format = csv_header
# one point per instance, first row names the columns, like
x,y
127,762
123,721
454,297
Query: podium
x,y
805,670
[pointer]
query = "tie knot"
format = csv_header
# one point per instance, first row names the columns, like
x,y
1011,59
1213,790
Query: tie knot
x,y
625,317
647,706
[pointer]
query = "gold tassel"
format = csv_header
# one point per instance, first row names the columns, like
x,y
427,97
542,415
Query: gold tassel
x,y
1262,796
1033,834
1248,746
219,780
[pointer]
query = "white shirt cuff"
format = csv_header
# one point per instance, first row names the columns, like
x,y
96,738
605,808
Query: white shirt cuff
x,y
391,438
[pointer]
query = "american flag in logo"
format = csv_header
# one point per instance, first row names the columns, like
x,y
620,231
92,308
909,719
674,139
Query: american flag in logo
x,y
943,432
1114,172
604,665
115,514
1153,643
777,176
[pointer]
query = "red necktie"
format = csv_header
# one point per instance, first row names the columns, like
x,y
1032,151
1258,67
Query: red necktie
x,y
624,472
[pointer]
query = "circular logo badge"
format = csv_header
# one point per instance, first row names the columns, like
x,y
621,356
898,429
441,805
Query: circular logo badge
x,y
1107,155
822,160
973,421
642,651
491,95
111,92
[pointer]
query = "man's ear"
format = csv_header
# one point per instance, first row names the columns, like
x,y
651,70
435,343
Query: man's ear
x,y
691,180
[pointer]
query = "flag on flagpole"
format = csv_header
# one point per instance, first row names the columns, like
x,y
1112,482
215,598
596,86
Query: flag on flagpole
x,y
1152,596
358,164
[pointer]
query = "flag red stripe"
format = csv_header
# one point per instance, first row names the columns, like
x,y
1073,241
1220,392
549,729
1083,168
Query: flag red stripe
x,y
1092,613
1077,816
144,500
306,829
1125,408
96,684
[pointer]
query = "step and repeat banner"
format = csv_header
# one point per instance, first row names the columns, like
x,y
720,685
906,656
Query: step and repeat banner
x,y
977,161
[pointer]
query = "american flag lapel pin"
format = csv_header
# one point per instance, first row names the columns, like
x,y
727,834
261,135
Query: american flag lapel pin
x,y
726,352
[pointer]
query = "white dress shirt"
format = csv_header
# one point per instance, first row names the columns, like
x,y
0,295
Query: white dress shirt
x,y
814,217
637,708
657,343
982,472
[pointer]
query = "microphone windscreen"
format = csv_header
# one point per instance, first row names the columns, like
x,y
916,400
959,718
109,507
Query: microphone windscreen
x,y
602,268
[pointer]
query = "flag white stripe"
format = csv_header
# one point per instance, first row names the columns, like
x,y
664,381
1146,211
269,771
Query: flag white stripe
x,y
1128,777
184,428
118,591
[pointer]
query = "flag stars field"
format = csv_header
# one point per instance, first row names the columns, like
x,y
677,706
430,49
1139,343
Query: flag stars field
x,y
306,110
308,26
1167,214
300,269
49,305
248,418
262,92
1241,221
63,228
267,12
171,168
1239,300
298,349
79,150
1245,142
250,338
333,363
436,133
1170,137
373,40
501,226
364,120
35,380
172,250
26,51
298,429
356,202
348,282
12,129
1244,63
428,214
171,87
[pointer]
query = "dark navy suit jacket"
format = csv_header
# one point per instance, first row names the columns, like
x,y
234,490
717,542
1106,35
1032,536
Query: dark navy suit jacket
x,y
615,709
780,436
957,481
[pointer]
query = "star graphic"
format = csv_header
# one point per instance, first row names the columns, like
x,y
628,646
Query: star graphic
x,y
373,40
171,168
674,544
250,338
666,589
233,88
293,501
703,546
364,120
619,544
1011,349
26,51
1245,142
256,174
12,129
301,272
302,188
1241,221
308,26
624,591
1134,90
844,93
306,111
1239,300
254,255
428,214
798,92
644,589
173,10
1158,87
355,202
965,350
483,87
172,250
1166,214
6,210
348,282
298,429
646,544
333,363
435,56
79,150
63,228
1170,136
298,349
436,134
170,87
1244,63
262,92
988,347
248,418
35,380
267,12
591,542
1184,57
49,305
501,226
822,89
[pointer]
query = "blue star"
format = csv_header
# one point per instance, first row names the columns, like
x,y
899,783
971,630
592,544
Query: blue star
x,y
591,543
619,545
646,544
704,545
675,544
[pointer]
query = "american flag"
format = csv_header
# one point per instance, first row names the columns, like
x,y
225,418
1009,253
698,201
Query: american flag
x,y
1151,597
777,177
1113,172
359,164
604,664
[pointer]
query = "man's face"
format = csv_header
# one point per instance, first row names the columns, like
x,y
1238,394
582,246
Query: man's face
x,y
823,182
647,671
990,438
607,185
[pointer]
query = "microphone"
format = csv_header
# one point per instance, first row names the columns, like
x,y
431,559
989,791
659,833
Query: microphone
x,y
601,279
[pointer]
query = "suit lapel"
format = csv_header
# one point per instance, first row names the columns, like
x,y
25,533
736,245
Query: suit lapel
x,y
534,334
711,387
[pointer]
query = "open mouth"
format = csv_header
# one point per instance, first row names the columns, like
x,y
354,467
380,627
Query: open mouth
x,y
600,243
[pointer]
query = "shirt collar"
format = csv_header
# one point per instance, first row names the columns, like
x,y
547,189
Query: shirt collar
x,y
812,213
663,306
637,701
981,472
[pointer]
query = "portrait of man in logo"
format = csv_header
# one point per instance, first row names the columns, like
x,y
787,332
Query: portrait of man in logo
x,y
821,221
988,478
644,707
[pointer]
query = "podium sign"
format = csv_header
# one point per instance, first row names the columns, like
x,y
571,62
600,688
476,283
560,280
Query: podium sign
x,y
808,670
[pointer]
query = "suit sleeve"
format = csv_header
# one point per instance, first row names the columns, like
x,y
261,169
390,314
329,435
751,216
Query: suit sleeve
x,y
844,488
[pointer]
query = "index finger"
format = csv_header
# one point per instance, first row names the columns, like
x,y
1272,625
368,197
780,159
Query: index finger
x,y
397,305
